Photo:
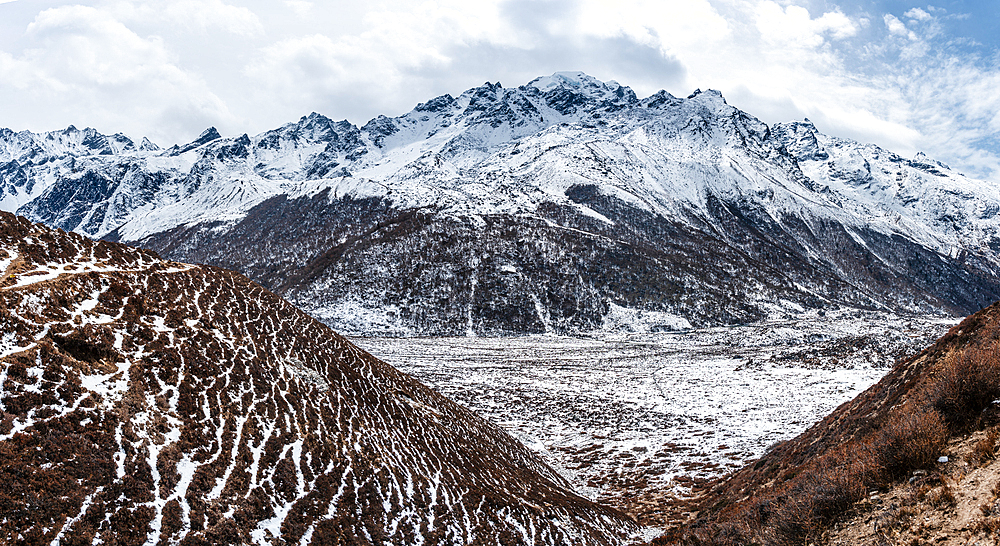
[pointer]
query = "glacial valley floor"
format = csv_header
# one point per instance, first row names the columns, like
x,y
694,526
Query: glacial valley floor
x,y
634,420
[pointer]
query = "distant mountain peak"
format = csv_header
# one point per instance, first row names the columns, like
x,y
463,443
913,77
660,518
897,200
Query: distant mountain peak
x,y
921,157
799,138
314,116
208,135
437,104
571,92
709,94
148,145
567,79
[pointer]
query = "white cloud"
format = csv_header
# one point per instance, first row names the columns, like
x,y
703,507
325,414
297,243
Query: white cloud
x,y
897,27
86,67
85,45
404,49
953,103
372,66
894,25
300,7
658,23
171,69
918,14
793,25
202,16
306,68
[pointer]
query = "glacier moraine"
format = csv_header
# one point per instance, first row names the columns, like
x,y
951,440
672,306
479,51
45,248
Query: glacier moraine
x,y
627,417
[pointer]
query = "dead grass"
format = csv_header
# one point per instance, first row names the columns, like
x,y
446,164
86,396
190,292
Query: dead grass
x,y
988,525
942,497
912,438
986,449
966,385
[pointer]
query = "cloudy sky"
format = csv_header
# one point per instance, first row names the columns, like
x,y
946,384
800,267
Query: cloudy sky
x,y
908,76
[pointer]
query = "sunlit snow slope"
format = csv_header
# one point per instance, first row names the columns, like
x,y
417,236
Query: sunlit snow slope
x,y
152,402
563,205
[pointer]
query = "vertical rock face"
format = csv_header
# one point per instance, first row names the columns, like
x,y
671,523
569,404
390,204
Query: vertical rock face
x,y
147,401
534,208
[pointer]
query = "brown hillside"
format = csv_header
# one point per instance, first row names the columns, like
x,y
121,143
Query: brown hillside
x,y
151,402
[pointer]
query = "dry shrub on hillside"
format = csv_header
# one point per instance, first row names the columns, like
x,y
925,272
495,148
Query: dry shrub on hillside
x,y
967,385
911,438
942,497
837,482
989,526
986,449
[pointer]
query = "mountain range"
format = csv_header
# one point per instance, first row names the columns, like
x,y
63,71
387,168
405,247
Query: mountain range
x,y
565,205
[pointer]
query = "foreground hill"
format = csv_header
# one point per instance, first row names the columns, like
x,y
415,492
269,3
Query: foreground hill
x,y
912,460
566,205
152,402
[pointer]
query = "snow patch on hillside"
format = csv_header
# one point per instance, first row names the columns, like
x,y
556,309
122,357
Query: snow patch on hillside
x,y
638,321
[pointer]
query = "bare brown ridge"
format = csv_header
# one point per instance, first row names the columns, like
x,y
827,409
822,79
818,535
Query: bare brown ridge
x,y
147,401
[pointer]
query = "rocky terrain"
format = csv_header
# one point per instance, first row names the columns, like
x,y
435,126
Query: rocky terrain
x,y
565,205
912,460
951,503
145,401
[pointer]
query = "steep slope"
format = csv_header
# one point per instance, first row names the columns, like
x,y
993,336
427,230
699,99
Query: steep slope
x,y
539,208
864,470
144,402
951,503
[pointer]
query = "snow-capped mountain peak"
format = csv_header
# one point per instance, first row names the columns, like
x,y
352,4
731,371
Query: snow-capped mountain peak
x,y
561,79
568,149
148,146
799,138
580,82
208,135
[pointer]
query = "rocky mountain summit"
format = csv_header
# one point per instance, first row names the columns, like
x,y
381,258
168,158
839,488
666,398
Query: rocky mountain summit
x,y
564,205
145,401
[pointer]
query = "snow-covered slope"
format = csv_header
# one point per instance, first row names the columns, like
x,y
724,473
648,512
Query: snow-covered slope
x,y
147,401
539,208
